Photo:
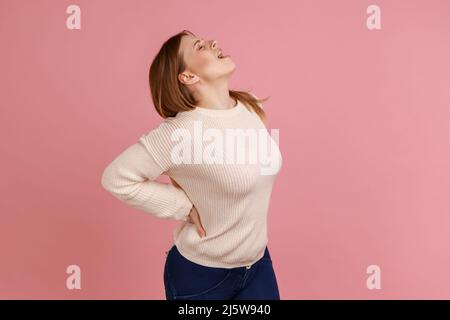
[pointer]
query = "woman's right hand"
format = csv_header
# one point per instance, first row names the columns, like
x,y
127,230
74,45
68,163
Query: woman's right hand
x,y
194,218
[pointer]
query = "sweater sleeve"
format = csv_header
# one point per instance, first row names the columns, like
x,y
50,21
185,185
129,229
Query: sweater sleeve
x,y
130,177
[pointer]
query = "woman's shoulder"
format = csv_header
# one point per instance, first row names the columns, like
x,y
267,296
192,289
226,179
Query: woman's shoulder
x,y
167,126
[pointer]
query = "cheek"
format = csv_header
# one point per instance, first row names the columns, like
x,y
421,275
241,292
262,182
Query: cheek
x,y
206,65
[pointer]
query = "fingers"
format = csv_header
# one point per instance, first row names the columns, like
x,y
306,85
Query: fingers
x,y
195,219
201,232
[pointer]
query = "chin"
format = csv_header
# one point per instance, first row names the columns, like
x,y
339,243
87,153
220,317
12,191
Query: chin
x,y
231,69
231,64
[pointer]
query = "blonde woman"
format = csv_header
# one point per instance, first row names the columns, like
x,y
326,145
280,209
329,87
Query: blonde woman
x,y
219,248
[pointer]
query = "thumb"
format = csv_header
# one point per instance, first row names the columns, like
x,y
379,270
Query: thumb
x,y
200,229
195,218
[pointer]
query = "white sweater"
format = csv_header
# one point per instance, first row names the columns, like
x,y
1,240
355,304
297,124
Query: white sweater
x,y
231,198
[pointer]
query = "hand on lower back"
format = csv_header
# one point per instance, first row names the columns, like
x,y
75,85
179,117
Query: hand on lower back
x,y
194,218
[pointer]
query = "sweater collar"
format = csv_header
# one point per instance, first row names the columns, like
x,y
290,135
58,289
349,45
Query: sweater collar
x,y
220,112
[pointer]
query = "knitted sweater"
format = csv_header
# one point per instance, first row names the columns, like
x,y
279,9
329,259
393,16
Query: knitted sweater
x,y
230,192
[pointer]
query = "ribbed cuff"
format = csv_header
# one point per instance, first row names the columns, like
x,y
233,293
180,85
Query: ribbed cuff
x,y
183,206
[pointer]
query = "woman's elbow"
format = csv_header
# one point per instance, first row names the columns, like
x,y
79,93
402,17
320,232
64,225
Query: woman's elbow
x,y
107,178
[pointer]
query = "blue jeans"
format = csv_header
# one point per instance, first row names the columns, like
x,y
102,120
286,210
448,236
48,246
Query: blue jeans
x,y
187,280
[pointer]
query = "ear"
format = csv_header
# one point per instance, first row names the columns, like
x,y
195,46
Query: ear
x,y
187,78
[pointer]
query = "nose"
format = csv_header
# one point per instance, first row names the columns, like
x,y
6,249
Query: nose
x,y
214,44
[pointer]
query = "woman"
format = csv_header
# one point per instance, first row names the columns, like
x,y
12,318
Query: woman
x,y
219,248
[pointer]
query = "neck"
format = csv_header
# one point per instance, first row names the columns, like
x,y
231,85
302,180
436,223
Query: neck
x,y
217,97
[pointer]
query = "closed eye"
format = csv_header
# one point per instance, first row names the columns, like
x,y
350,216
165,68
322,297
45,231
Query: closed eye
x,y
202,46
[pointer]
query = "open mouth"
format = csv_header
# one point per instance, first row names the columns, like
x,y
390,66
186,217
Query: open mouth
x,y
221,55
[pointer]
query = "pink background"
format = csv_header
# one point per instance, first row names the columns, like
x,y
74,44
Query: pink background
x,y
364,132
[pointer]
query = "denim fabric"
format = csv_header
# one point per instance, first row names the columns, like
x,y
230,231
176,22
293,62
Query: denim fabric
x,y
187,280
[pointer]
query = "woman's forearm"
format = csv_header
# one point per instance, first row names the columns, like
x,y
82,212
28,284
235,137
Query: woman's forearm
x,y
130,178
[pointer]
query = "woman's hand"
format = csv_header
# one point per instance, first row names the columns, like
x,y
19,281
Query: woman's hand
x,y
194,218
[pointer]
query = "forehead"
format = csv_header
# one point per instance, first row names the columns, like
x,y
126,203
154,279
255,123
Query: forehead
x,y
187,44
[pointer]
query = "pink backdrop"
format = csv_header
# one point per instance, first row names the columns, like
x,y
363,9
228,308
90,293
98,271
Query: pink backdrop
x,y
363,118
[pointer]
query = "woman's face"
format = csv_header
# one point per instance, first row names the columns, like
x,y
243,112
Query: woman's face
x,y
202,60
